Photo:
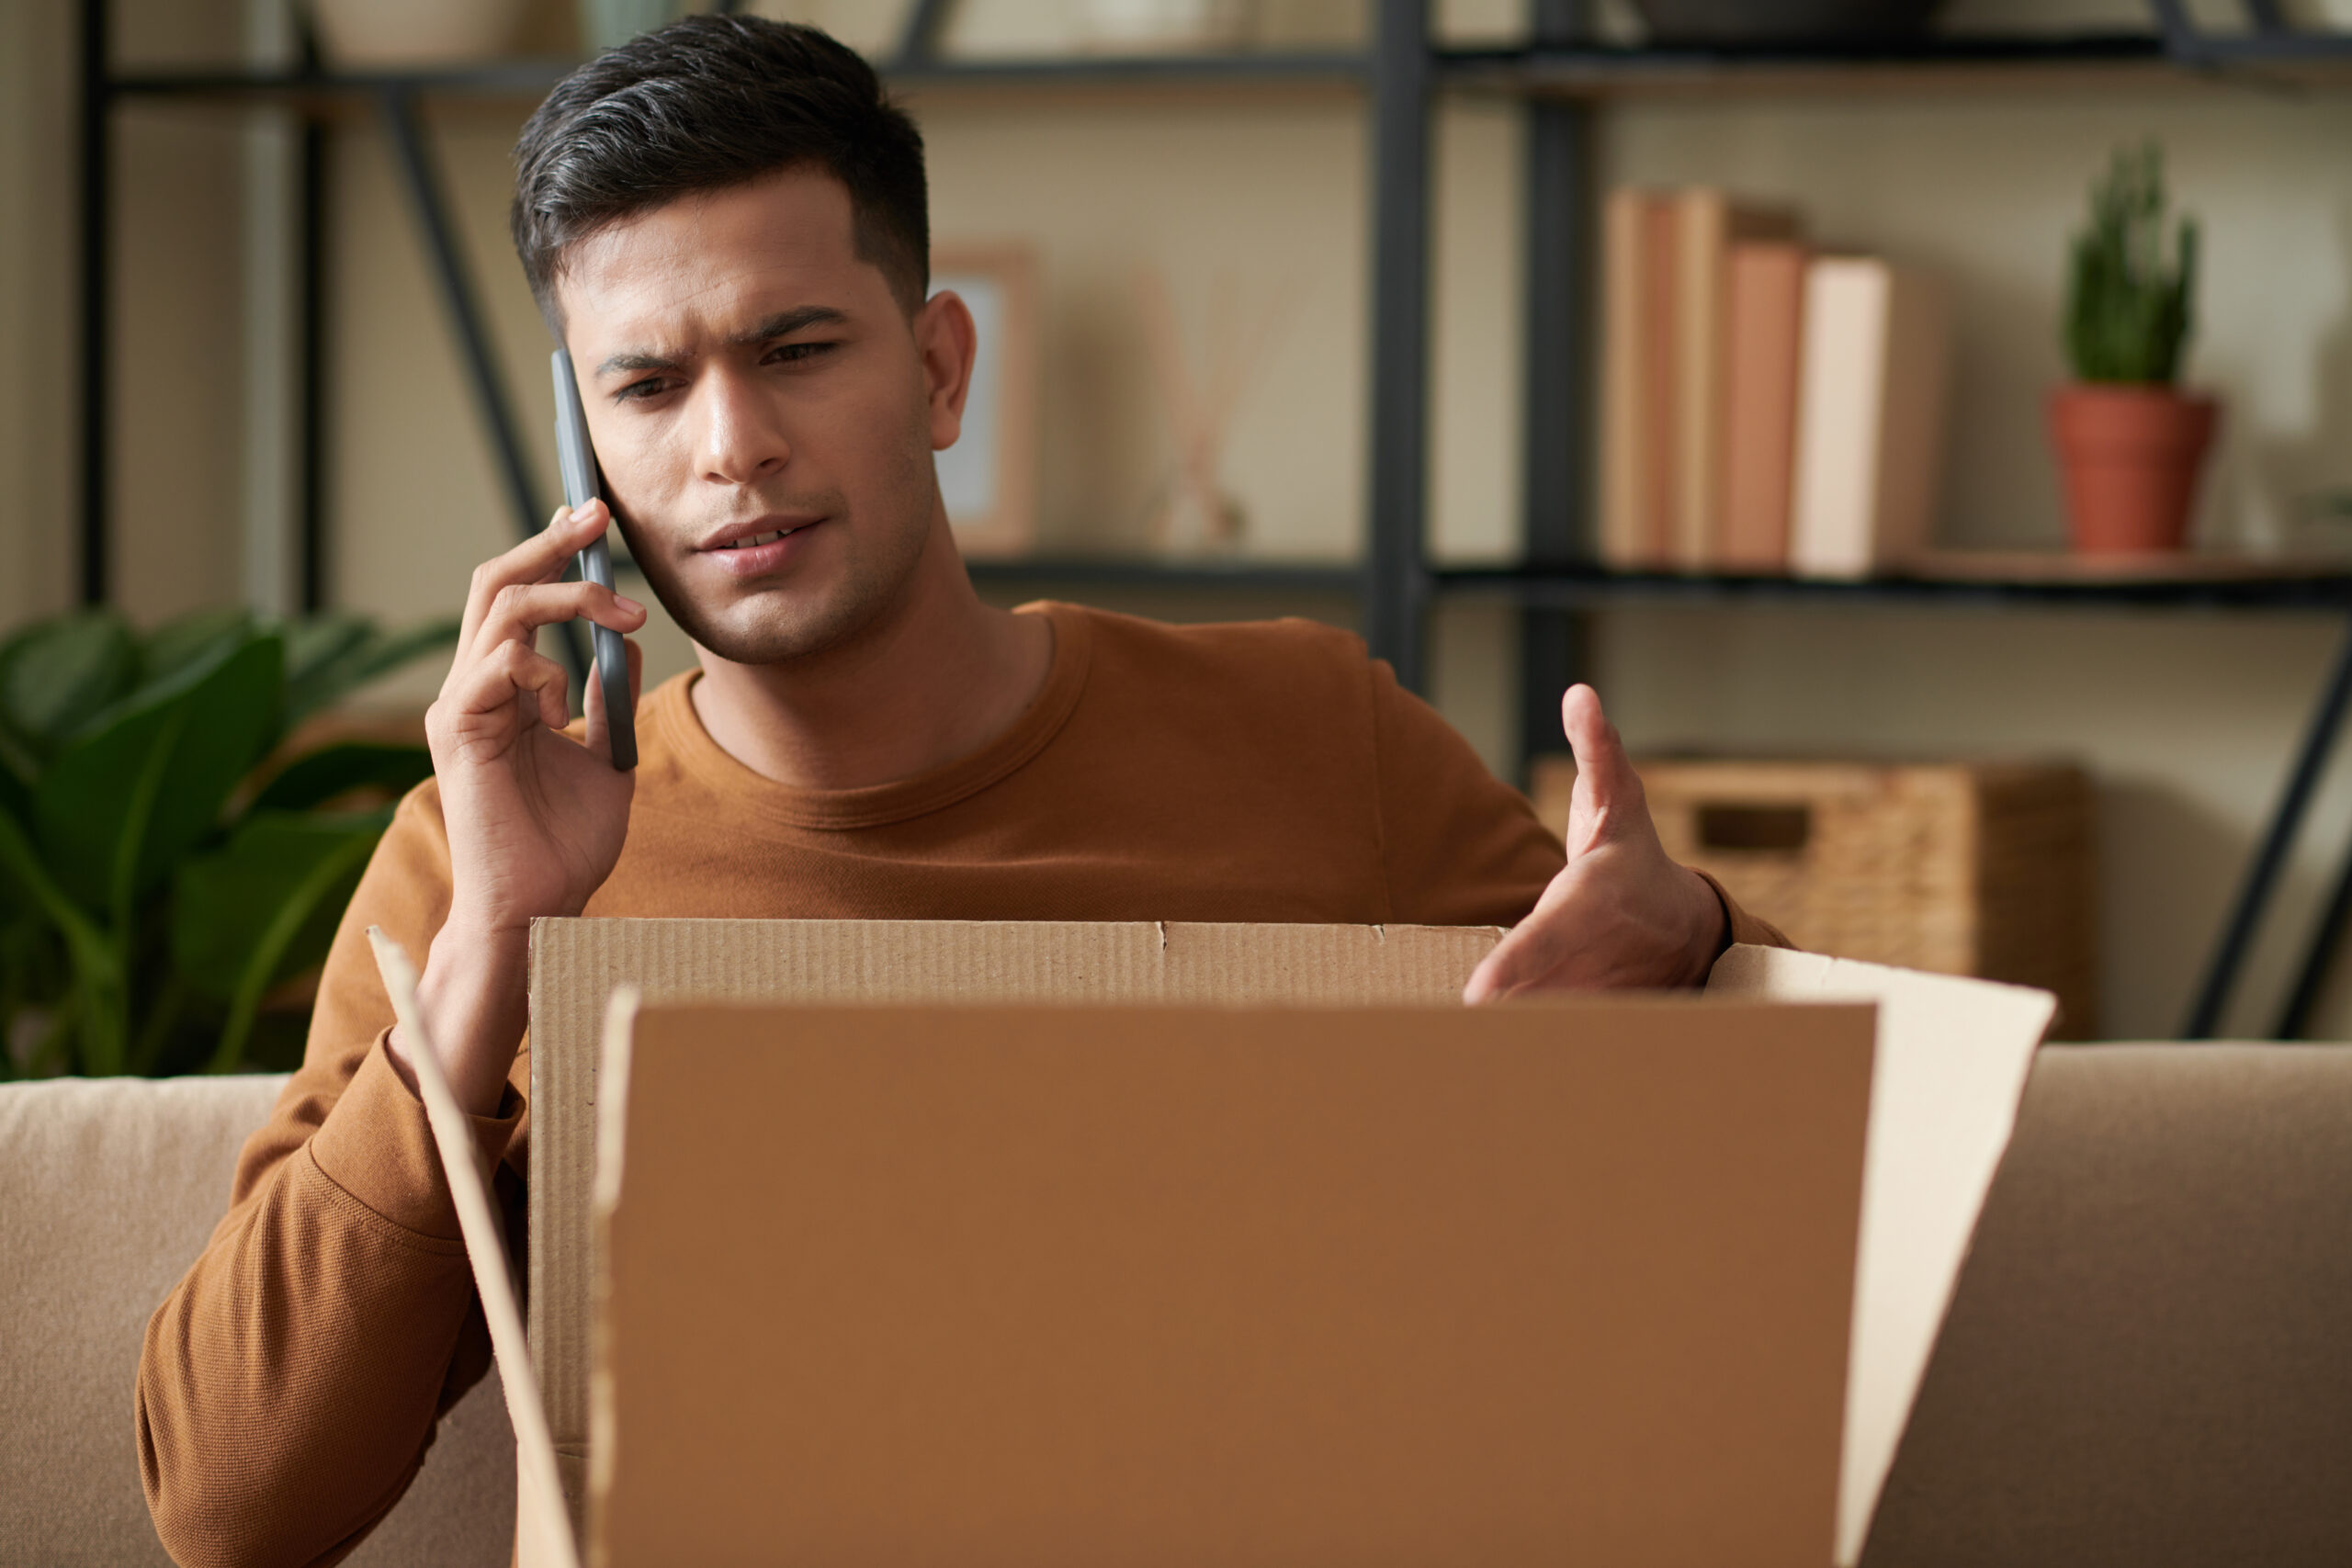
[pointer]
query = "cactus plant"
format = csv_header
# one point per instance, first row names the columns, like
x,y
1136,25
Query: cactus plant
x,y
2128,314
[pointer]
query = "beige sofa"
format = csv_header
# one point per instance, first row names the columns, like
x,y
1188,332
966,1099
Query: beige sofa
x,y
2149,1361
109,1187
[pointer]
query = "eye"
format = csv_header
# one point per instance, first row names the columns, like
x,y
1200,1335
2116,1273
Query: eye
x,y
796,353
637,391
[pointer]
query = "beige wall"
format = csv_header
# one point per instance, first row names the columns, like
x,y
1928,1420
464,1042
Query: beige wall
x,y
38,384
177,360
2187,717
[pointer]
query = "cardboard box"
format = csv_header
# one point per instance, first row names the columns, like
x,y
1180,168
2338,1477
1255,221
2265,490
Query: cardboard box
x,y
1950,1056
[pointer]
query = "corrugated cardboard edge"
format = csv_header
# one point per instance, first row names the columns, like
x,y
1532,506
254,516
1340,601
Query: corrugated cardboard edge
x,y
540,1515
612,1129
1951,1069
576,966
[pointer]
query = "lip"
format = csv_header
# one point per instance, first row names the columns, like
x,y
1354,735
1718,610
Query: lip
x,y
718,538
754,560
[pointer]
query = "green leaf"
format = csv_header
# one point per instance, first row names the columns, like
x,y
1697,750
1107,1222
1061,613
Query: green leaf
x,y
321,775
63,672
266,891
191,640
354,661
28,882
392,650
312,643
130,797
94,1006
17,805
264,908
18,765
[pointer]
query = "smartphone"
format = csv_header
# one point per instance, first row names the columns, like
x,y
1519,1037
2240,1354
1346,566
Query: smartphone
x,y
583,482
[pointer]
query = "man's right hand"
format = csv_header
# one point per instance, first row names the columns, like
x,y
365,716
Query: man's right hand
x,y
535,819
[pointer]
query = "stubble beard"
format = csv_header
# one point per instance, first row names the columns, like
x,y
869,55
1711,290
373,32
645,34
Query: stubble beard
x,y
877,553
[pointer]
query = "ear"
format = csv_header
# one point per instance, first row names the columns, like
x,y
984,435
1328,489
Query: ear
x,y
946,340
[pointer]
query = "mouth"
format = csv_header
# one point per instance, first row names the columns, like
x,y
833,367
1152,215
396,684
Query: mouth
x,y
751,541
755,547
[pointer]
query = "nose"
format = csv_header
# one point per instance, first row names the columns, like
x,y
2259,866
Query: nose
x,y
742,439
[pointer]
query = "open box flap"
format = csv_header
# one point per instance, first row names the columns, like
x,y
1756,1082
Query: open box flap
x,y
1169,1284
1953,1059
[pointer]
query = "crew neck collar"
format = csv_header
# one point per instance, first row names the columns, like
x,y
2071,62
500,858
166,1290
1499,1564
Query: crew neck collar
x,y
874,805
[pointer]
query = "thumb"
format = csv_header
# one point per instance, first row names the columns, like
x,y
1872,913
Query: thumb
x,y
1608,793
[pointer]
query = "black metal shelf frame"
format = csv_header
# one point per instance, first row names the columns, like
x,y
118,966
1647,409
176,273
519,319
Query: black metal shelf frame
x,y
1559,74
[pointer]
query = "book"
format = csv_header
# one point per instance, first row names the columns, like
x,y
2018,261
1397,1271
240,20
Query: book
x,y
1661,362
1872,390
1762,338
1707,224
1630,499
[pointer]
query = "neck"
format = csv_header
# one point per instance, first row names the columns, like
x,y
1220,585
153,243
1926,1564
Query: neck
x,y
935,677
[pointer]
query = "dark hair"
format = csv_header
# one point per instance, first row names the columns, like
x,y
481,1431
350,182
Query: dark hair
x,y
709,102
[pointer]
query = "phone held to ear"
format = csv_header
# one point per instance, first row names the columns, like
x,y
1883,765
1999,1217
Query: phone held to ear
x,y
582,483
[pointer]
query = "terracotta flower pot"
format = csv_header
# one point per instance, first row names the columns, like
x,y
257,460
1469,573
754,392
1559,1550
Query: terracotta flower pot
x,y
2130,456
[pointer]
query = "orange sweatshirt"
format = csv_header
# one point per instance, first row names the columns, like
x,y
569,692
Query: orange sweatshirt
x,y
289,1387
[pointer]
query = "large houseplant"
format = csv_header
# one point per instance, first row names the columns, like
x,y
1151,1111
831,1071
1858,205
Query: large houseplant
x,y
2130,443
163,863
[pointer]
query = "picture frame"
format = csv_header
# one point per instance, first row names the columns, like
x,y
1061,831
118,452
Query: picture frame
x,y
989,478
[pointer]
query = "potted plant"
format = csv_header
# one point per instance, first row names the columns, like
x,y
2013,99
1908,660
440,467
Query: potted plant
x,y
2130,442
166,859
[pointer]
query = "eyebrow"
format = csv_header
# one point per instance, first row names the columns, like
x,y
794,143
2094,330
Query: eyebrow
x,y
784,323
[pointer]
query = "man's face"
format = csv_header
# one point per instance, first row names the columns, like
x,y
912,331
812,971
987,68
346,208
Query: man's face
x,y
763,410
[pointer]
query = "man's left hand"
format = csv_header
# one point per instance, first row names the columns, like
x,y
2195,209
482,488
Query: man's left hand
x,y
1622,914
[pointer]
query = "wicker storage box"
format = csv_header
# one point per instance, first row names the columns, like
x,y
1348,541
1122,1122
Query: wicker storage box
x,y
1974,869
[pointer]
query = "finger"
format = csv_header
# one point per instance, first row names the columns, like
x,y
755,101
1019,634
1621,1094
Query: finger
x,y
1485,981
520,609
514,671
540,558
1512,964
1608,791
594,706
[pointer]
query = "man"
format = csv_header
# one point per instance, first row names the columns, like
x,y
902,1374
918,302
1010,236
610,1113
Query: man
x,y
727,223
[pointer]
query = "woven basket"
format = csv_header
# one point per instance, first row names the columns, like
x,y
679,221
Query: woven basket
x,y
1973,869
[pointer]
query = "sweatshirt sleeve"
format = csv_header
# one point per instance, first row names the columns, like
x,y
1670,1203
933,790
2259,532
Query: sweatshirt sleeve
x,y
1462,847
289,1387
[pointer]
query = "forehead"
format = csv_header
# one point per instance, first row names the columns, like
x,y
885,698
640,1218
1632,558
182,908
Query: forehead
x,y
715,254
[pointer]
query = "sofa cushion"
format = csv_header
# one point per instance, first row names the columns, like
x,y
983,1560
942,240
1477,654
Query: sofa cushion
x,y
2148,1359
109,1188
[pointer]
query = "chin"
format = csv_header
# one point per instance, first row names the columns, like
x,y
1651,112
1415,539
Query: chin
x,y
779,626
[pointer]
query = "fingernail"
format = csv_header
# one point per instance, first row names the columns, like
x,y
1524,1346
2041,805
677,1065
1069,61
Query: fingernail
x,y
625,603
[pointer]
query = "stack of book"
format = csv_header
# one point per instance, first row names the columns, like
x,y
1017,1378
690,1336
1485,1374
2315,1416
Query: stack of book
x,y
1765,407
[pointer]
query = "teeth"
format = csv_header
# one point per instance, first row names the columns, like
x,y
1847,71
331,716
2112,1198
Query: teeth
x,y
757,539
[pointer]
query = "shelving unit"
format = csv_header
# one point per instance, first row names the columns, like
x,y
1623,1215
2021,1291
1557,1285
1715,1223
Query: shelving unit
x,y
1562,74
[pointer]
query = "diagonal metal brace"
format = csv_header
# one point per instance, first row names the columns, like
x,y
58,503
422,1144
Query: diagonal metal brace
x,y
404,125
2270,859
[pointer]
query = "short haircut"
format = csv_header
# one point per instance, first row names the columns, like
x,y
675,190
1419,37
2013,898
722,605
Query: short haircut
x,y
705,103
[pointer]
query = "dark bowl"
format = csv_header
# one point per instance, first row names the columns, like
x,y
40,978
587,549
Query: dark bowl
x,y
1735,22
